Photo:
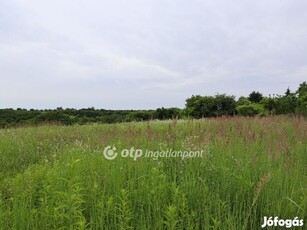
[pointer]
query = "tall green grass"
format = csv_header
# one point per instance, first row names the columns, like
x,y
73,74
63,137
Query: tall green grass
x,y
55,177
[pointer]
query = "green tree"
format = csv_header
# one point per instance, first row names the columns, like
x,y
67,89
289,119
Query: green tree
x,y
243,101
141,115
302,89
255,97
193,106
224,105
286,104
54,117
302,105
167,113
208,106
288,92
269,104
302,99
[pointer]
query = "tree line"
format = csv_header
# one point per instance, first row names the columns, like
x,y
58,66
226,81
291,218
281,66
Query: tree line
x,y
197,106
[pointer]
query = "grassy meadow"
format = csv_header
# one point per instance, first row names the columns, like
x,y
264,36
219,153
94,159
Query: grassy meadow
x,y
56,177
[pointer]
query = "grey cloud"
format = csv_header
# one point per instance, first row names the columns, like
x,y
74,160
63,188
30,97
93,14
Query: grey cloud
x,y
147,54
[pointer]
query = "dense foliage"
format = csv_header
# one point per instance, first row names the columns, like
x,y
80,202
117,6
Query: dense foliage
x,y
255,104
196,107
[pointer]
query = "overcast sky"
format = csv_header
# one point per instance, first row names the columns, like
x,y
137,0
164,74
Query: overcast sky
x,y
141,54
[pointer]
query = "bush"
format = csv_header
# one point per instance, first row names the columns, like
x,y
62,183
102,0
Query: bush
x,y
250,110
302,105
243,101
142,115
167,113
208,106
54,117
